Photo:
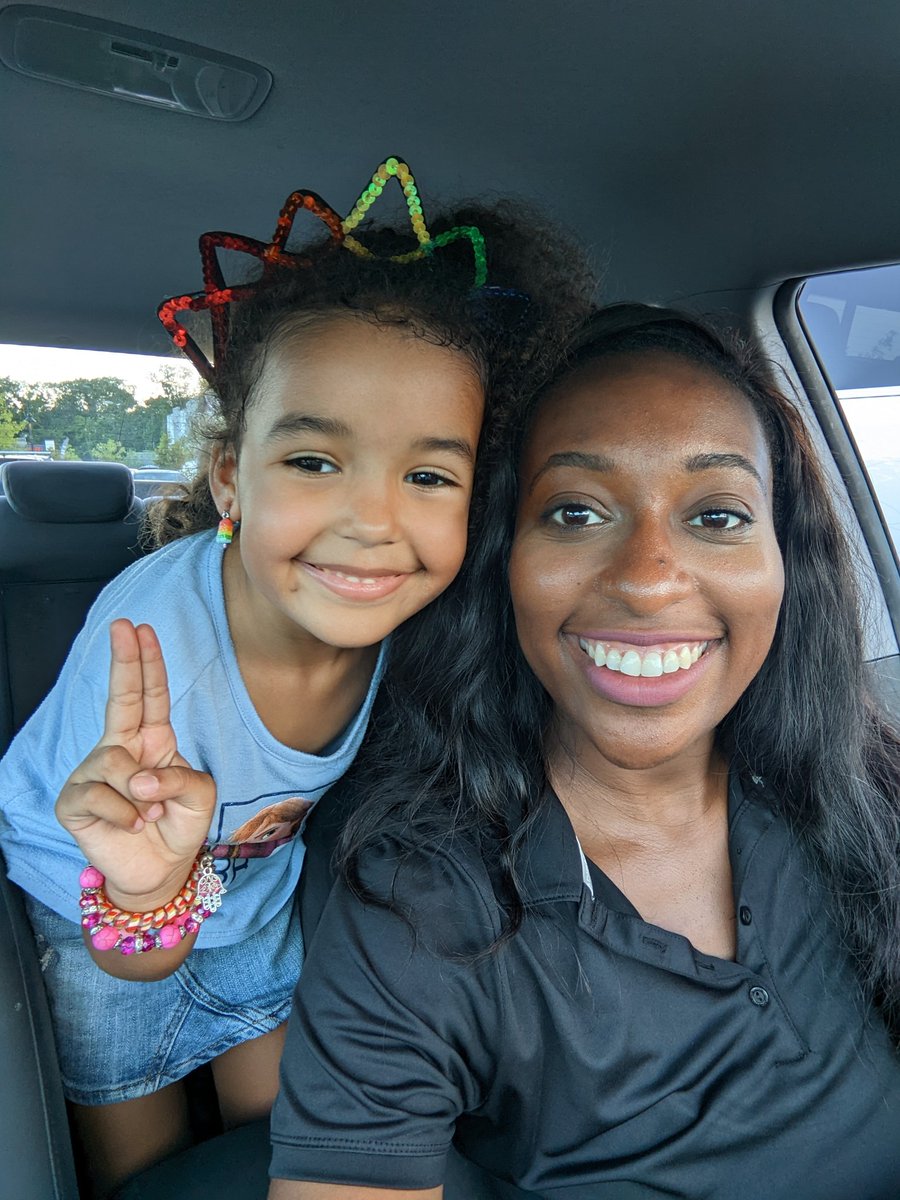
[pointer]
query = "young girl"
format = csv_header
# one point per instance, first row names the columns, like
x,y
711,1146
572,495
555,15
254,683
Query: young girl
x,y
353,381
635,932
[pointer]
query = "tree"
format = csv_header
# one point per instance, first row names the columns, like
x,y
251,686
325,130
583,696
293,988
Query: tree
x,y
25,402
86,411
177,384
108,451
10,428
172,455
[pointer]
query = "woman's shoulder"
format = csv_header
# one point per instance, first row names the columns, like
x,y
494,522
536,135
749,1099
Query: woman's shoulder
x,y
441,885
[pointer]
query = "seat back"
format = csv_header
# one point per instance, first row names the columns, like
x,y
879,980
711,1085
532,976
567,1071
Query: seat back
x,y
66,528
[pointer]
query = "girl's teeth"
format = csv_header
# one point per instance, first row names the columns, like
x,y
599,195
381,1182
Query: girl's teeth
x,y
649,664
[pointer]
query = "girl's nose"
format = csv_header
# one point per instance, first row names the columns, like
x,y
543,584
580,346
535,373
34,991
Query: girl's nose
x,y
645,573
369,515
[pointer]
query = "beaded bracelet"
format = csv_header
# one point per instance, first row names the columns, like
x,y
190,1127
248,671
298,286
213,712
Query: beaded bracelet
x,y
112,928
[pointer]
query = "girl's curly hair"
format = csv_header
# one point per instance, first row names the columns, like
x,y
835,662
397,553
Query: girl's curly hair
x,y
512,341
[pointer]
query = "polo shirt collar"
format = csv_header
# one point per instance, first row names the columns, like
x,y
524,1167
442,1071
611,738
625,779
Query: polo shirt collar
x,y
555,868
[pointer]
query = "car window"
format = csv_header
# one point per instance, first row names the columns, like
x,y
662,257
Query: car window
x,y
87,405
852,319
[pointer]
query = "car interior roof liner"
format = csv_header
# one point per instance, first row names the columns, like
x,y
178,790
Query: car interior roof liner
x,y
97,55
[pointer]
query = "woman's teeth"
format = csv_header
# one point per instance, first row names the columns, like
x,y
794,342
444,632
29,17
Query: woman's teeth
x,y
648,663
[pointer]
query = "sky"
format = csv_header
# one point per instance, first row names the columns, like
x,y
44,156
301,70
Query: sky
x,y
40,364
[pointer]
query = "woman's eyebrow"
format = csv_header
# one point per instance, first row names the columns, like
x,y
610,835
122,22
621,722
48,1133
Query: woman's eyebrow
x,y
573,458
696,463
707,462
294,423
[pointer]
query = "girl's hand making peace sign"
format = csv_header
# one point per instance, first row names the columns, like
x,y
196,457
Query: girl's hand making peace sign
x,y
135,806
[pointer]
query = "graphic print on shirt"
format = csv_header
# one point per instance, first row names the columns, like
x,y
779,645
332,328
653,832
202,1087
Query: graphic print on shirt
x,y
257,835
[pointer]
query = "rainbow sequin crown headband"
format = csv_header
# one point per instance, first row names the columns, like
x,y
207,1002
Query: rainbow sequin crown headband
x,y
217,295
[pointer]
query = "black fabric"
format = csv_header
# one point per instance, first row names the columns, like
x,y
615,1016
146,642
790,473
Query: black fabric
x,y
231,1166
35,1152
463,1180
68,493
321,833
50,572
595,1055
52,569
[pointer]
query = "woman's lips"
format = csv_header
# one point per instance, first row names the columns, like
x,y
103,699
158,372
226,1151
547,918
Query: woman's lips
x,y
352,584
644,670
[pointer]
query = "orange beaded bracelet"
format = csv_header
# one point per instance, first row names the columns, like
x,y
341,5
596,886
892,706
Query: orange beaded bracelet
x,y
112,928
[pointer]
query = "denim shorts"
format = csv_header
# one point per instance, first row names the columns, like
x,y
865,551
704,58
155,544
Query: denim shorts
x,y
118,1039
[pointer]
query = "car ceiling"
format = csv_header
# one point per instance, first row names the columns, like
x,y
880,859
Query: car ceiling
x,y
699,147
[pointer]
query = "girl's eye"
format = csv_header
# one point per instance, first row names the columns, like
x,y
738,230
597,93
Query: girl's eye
x,y
717,519
428,479
574,516
312,465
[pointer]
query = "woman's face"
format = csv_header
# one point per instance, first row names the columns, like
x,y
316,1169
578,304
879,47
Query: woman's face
x,y
645,574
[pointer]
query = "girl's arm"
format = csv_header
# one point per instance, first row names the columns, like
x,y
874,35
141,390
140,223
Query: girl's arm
x,y
136,808
288,1189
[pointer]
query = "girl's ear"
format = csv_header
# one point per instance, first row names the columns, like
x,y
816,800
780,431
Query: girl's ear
x,y
223,482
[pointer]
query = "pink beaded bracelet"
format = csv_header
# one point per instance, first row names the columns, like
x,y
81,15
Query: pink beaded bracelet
x,y
112,928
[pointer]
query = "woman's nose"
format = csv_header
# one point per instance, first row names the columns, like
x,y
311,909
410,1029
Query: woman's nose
x,y
645,572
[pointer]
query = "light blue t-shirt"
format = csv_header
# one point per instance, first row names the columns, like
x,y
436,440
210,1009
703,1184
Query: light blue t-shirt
x,y
263,787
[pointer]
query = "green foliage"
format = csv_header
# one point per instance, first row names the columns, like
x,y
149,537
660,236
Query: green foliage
x,y
10,428
172,455
108,451
96,412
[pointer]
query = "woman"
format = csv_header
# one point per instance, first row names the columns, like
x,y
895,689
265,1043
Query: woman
x,y
650,947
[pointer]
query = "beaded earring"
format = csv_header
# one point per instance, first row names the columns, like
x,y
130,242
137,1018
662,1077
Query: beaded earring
x,y
225,532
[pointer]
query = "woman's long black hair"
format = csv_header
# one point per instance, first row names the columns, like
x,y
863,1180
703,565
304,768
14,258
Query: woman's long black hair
x,y
460,725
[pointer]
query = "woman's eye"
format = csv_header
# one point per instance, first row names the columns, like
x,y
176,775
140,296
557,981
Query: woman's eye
x,y
720,519
574,516
428,479
312,465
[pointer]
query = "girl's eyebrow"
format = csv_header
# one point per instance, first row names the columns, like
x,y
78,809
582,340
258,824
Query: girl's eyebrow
x,y
696,463
293,423
458,446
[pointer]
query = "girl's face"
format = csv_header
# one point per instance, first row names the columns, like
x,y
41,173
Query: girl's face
x,y
646,577
352,483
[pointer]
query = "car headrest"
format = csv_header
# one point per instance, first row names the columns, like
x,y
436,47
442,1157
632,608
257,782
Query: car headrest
x,y
68,493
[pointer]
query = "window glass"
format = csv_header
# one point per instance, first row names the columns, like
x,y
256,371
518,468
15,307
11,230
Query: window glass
x,y
853,320
87,405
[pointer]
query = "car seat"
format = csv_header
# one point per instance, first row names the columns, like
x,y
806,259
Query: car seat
x,y
65,530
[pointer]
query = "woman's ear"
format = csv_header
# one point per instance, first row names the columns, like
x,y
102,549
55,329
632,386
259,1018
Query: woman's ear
x,y
223,482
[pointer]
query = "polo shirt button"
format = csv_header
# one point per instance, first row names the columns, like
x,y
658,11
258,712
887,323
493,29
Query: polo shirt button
x,y
745,914
759,996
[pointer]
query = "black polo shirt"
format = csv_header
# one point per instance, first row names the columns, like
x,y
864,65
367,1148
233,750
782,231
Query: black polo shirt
x,y
595,1056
